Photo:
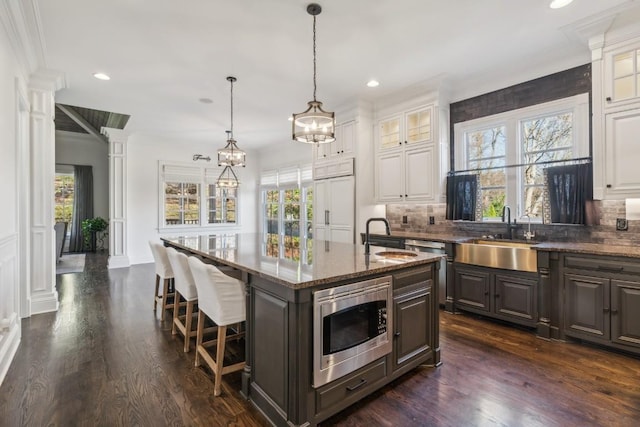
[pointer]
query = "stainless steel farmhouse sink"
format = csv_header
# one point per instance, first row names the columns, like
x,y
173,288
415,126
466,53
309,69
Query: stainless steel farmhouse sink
x,y
498,254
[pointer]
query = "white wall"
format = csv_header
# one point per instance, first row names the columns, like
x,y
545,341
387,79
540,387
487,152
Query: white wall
x,y
10,75
143,156
86,150
286,153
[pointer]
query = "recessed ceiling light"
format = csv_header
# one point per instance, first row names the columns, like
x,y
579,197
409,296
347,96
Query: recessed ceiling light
x,y
101,76
557,4
373,83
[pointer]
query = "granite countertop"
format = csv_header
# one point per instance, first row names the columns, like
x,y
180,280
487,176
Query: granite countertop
x,y
318,261
443,238
573,247
589,249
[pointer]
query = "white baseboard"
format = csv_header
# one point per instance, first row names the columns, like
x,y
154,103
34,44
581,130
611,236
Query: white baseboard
x,y
120,261
9,342
44,303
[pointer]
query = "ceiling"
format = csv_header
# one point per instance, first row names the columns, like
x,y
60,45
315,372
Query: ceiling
x,y
163,56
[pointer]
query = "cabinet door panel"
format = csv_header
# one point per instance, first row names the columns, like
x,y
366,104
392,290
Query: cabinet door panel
x,y
413,334
342,205
625,312
587,306
419,179
515,297
472,289
320,203
622,152
390,177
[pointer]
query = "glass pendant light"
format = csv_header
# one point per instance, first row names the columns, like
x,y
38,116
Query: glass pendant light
x,y
231,155
227,178
314,125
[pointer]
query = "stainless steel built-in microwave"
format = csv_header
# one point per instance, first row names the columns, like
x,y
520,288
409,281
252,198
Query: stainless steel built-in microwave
x,y
352,327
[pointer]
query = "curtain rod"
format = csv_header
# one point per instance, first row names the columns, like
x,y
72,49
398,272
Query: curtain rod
x,y
548,162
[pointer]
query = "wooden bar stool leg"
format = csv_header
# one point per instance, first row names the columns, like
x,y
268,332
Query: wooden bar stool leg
x,y
199,335
187,325
222,335
165,298
155,296
176,307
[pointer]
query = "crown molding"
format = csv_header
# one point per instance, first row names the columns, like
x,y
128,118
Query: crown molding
x,y
21,21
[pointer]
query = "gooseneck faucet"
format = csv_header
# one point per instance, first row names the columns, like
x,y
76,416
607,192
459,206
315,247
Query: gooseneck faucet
x,y
366,236
506,214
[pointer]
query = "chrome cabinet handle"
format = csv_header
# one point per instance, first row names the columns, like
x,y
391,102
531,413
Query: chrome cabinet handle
x,y
326,217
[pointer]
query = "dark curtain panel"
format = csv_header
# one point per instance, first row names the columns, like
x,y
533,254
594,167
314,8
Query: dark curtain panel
x,y
461,197
570,187
82,205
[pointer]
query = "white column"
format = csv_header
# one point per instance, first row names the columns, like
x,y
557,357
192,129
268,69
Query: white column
x,y
118,257
42,86
598,142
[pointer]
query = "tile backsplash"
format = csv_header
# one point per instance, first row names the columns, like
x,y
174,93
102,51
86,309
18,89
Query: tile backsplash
x,y
606,212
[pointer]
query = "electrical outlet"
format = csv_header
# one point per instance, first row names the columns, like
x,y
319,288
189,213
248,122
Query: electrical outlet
x,y
621,224
405,219
432,220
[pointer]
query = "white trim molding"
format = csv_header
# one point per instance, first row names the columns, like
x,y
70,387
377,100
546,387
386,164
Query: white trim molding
x,y
118,251
10,331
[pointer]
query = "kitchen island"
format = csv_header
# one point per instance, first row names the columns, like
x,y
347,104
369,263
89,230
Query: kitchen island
x,y
281,281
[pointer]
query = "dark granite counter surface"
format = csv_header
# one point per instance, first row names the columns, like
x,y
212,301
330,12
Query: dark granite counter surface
x,y
573,247
315,262
589,249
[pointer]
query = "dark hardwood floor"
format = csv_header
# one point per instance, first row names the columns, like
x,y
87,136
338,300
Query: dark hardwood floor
x,y
104,359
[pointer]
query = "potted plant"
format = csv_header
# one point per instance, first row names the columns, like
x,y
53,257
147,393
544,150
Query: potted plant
x,y
94,231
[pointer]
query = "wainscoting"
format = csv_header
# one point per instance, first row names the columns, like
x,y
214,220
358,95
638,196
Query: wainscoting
x,y
9,293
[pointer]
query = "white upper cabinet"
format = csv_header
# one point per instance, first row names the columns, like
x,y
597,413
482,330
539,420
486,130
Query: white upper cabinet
x,y
343,146
622,75
616,119
408,157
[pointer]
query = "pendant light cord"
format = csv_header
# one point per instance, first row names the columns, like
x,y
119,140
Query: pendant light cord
x,y
314,57
231,108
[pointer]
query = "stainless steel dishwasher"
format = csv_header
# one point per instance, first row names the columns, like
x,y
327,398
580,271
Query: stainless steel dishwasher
x,y
434,248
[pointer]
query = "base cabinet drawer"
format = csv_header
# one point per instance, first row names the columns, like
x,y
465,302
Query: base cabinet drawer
x,y
350,387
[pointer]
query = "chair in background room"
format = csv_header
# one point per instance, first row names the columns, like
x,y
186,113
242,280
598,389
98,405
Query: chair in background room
x,y
222,299
185,288
164,273
60,229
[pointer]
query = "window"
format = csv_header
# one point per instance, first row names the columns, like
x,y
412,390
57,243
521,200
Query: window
x,y
190,197
287,206
64,187
528,138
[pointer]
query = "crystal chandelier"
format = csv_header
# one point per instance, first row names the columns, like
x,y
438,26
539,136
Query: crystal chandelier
x,y
314,125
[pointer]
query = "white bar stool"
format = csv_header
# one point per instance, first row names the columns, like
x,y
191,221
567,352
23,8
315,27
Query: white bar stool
x,y
164,272
185,288
222,299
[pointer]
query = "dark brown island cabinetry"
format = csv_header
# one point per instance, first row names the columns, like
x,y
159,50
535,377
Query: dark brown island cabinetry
x,y
288,308
502,294
602,300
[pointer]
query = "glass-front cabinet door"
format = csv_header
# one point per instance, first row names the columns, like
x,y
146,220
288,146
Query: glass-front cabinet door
x,y
418,126
389,133
622,75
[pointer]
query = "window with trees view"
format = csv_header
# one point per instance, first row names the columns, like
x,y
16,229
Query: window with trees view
x,y
511,150
64,190
191,198
287,214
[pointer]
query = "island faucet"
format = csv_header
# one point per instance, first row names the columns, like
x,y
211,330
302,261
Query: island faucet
x,y
366,236
506,214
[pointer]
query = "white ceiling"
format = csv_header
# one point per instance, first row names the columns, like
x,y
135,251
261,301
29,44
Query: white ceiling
x,y
164,55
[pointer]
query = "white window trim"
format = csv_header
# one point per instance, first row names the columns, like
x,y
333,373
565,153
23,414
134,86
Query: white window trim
x,y
201,172
578,104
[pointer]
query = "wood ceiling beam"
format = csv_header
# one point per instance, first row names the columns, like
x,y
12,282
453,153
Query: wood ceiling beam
x,y
73,115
